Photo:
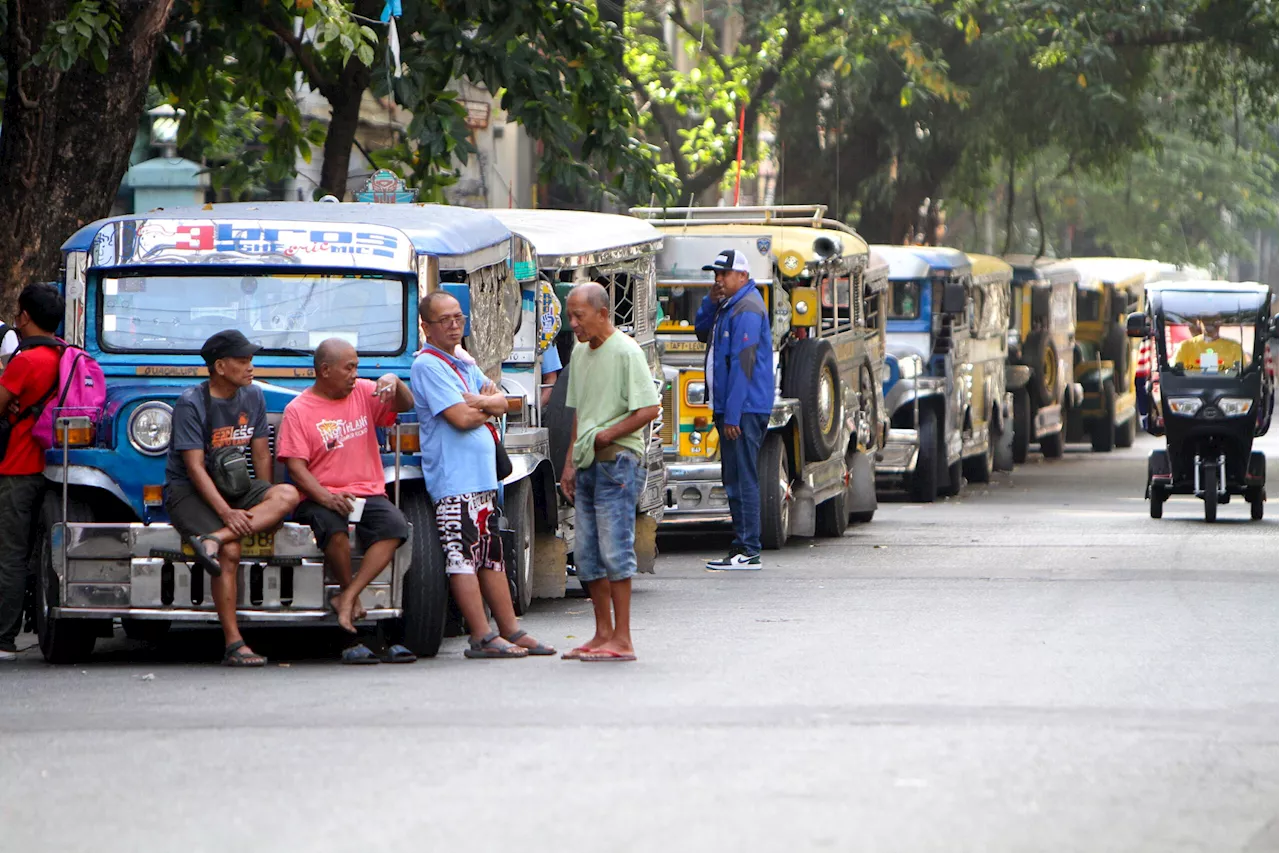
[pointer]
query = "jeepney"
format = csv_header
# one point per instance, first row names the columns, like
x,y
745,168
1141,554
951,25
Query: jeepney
x,y
143,293
816,465
946,388
1042,338
1106,361
565,248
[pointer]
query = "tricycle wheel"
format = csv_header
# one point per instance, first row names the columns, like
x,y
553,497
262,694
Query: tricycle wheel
x,y
62,640
1209,481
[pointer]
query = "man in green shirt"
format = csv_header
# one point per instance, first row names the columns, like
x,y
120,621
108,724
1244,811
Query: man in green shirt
x,y
614,395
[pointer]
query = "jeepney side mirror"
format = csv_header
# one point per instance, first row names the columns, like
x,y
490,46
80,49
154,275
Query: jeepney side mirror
x,y
953,298
1137,326
1273,328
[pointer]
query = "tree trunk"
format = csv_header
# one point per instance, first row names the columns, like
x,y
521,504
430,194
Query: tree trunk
x,y
67,136
344,96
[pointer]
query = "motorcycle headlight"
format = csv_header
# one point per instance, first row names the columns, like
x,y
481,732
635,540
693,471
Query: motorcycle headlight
x,y
1233,407
150,428
695,393
1185,406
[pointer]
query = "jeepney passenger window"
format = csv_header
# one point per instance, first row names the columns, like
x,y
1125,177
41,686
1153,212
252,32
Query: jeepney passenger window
x,y
623,298
1088,306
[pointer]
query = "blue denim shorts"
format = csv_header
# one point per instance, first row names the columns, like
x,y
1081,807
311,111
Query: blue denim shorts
x,y
604,518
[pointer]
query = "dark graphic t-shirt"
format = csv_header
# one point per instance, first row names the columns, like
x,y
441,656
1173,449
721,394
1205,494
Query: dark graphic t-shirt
x,y
235,421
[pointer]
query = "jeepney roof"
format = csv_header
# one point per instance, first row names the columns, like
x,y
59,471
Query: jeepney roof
x,y
432,229
784,238
989,268
573,238
909,262
1124,273
1042,270
1207,286
1183,272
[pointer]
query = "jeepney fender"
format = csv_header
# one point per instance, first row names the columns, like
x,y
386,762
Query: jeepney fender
x,y
1091,374
1016,376
906,391
83,475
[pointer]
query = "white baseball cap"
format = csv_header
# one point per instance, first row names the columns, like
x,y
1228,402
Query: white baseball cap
x,y
729,259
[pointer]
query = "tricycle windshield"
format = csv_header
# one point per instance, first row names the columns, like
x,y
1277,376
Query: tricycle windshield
x,y
904,299
176,313
1208,332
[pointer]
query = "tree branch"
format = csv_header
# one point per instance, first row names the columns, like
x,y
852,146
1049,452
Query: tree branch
x,y
705,40
667,123
306,58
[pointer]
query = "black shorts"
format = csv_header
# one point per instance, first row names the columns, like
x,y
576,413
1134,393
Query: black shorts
x,y
193,517
381,520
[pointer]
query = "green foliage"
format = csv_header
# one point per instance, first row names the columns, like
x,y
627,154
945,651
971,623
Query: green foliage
x,y
89,31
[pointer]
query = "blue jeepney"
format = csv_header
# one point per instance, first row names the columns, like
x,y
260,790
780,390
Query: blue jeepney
x,y
143,293
946,388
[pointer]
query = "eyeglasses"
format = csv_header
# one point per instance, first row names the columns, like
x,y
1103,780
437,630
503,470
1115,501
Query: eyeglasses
x,y
454,320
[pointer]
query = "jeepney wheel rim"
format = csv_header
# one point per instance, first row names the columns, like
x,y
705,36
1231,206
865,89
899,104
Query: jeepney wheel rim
x,y
785,493
826,401
1049,369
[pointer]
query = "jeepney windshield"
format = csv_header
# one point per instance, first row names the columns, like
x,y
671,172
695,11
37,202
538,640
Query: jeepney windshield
x,y
1088,305
904,299
1207,332
678,305
172,313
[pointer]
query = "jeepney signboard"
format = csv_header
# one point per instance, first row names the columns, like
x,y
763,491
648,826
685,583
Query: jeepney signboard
x,y
251,242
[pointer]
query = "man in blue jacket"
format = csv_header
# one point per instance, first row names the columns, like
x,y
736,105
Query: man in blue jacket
x,y
733,323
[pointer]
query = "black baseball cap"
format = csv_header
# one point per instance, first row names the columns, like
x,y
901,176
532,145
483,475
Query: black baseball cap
x,y
729,259
228,343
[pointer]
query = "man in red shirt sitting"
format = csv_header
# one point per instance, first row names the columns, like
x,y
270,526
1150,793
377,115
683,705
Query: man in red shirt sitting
x,y
25,386
328,444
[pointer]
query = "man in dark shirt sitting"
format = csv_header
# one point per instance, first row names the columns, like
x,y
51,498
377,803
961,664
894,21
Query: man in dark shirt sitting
x,y
227,411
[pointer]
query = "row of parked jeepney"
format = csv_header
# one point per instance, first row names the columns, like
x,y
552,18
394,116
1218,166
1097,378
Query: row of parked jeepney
x,y
898,369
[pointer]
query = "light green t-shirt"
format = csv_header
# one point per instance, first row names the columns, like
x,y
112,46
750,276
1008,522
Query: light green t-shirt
x,y
605,385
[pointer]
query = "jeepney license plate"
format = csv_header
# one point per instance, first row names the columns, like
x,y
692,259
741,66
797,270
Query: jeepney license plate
x,y
254,545
685,346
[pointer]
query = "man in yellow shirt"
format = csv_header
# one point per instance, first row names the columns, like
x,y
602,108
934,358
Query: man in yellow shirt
x,y
1208,353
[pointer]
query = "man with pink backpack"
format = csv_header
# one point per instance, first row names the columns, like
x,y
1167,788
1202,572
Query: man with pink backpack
x,y
28,383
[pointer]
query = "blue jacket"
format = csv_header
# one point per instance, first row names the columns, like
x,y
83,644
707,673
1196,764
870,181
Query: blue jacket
x,y
739,352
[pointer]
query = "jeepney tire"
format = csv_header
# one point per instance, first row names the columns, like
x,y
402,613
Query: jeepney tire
x,y
1256,503
1158,497
425,597
955,480
1054,445
518,499
1127,432
62,641
977,469
558,419
1102,431
862,517
775,509
809,363
150,631
1038,349
1021,426
833,516
1115,349
924,480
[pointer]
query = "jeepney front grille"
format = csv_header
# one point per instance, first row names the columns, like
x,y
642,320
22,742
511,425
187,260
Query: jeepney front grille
x,y
668,414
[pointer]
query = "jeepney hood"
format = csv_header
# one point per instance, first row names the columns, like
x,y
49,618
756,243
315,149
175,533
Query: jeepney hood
x,y
121,394
902,344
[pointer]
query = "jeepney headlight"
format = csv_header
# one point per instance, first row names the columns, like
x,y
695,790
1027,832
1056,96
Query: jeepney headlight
x,y
802,308
695,393
1234,407
1186,406
150,427
908,367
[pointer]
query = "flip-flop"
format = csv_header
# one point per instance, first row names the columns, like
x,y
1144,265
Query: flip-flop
x,y
209,564
397,654
539,649
606,656
359,655
576,654
484,649
231,656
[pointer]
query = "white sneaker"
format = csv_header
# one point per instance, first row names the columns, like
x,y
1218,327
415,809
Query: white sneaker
x,y
7,655
735,562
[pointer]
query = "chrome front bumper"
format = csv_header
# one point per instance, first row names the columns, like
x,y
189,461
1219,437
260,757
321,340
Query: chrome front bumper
x,y
139,571
898,458
695,495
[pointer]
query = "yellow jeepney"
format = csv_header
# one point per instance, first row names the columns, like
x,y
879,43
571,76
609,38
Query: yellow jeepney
x,y
817,465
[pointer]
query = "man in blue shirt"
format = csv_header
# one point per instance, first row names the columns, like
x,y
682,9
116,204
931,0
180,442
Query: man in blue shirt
x,y
454,402
733,323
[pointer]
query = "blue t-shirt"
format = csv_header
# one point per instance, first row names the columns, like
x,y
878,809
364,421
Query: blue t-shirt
x,y
454,461
551,360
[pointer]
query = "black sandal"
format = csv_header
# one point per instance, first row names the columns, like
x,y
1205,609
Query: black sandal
x,y
235,656
209,564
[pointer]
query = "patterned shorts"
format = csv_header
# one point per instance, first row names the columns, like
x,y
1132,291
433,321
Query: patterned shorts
x,y
468,529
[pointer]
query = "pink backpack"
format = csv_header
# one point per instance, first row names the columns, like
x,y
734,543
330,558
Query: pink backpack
x,y
81,392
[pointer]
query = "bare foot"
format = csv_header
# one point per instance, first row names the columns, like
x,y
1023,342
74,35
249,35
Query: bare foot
x,y
343,608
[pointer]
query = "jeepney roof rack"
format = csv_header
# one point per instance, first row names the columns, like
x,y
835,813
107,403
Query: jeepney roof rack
x,y
796,215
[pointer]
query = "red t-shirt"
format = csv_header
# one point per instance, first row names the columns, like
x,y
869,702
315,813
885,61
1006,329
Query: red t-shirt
x,y
337,439
28,376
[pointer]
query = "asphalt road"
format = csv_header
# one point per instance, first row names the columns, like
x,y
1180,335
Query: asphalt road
x,y
1035,665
